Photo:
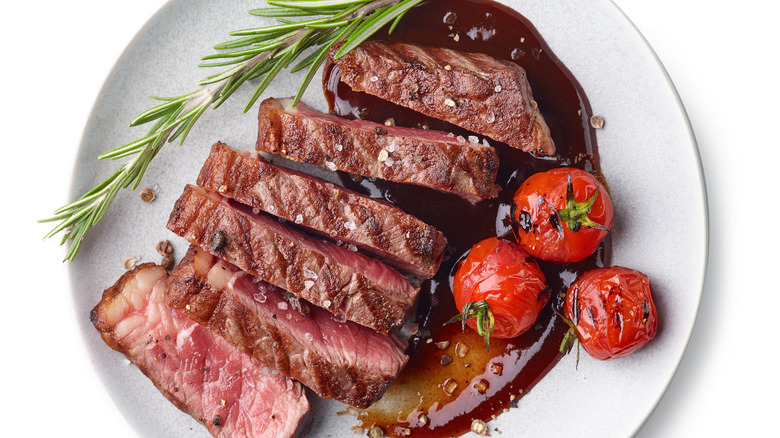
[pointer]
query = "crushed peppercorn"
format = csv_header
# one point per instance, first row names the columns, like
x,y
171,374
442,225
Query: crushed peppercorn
x,y
597,122
147,195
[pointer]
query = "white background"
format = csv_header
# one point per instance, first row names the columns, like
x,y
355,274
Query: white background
x,y
721,56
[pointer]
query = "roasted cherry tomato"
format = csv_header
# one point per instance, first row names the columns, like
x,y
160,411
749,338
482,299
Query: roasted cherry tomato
x,y
500,289
612,311
561,215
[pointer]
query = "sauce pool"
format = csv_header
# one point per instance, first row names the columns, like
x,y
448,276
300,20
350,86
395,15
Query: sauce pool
x,y
451,379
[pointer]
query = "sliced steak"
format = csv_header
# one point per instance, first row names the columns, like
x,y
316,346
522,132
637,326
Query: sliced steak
x,y
345,282
200,372
377,227
427,158
475,91
339,360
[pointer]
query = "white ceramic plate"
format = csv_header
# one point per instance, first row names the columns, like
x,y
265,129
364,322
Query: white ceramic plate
x,y
648,155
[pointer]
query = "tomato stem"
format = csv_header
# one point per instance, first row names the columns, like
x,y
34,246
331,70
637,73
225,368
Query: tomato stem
x,y
575,214
569,337
480,310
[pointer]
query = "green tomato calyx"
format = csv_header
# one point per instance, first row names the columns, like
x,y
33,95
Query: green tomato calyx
x,y
575,214
480,310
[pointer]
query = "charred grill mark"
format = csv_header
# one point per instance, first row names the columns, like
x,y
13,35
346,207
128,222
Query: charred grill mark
x,y
555,221
524,220
575,310
592,314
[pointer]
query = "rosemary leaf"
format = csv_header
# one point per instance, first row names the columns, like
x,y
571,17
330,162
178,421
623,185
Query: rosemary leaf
x,y
258,53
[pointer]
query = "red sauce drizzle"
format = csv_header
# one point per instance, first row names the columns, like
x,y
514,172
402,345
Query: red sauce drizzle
x,y
430,399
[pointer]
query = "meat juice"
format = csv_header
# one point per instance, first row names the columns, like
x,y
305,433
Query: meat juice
x,y
451,379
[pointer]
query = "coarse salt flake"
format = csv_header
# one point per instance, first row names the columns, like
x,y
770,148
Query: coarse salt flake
x,y
308,284
326,303
473,139
308,273
350,225
330,165
374,78
339,147
282,305
389,162
298,218
497,89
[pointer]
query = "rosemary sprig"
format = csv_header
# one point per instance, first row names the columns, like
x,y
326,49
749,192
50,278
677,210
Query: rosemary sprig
x,y
259,53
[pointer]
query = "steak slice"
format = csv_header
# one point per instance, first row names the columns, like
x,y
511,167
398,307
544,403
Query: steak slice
x,y
475,91
201,373
377,227
346,282
337,360
427,158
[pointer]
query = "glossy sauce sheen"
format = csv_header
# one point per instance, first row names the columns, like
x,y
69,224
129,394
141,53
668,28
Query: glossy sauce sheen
x,y
430,399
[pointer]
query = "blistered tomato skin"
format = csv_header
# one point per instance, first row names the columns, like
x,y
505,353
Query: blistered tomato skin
x,y
540,215
499,271
612,310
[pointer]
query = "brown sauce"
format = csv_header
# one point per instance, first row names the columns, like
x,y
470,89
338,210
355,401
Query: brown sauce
x,y
430,399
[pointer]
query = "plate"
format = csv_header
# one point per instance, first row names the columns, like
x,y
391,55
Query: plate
x,y
649,157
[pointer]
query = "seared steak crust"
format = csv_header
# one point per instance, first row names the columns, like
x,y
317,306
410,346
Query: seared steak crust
x,y
432,159
202,374
475,91
336,212
339,360
361,288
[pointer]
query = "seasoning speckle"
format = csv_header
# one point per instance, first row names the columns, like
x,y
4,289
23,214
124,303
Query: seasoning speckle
x,y
461,349
130,263
147,195
450,102
479,427
597,122
168,262
450,386
217,241
164,247
383,154
217,421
